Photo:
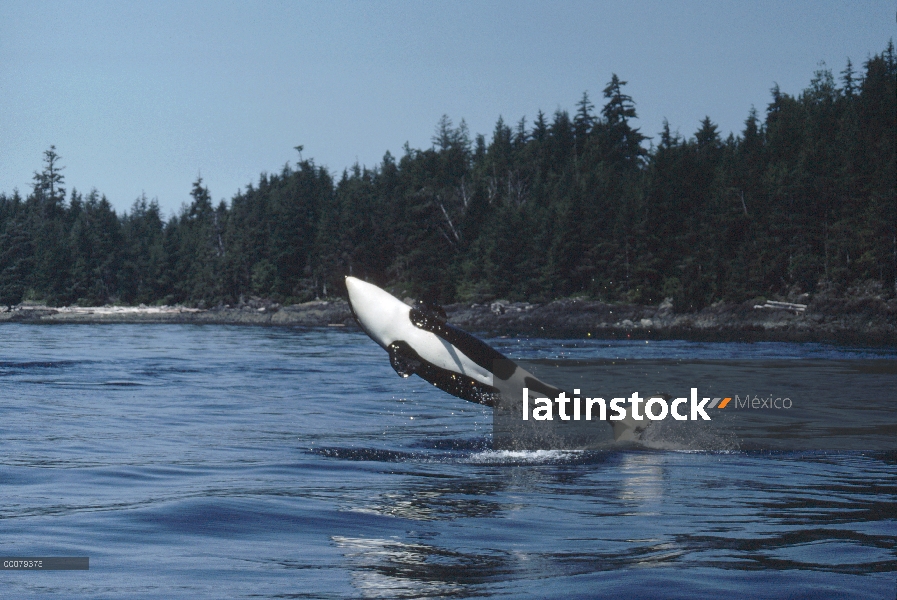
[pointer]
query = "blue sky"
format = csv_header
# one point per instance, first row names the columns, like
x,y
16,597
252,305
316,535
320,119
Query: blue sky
x,y
143,97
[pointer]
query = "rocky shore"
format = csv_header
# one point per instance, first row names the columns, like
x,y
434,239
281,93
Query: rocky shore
x,y
861,322
312,314
864,316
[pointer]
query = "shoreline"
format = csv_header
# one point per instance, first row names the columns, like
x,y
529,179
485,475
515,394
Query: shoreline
x,y
866,320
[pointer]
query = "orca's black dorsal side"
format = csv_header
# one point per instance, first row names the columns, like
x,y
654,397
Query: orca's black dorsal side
x,y
475,349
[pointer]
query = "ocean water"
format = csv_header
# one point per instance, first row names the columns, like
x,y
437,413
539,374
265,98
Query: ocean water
x,y
248,462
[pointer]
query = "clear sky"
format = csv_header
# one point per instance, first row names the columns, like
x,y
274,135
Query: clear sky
x,y
143,97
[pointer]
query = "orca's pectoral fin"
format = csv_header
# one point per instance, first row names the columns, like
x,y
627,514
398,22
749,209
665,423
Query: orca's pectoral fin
x,y
407,362
429,317
432,308
403,359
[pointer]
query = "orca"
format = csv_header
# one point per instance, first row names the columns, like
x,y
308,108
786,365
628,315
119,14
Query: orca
x,y
421,342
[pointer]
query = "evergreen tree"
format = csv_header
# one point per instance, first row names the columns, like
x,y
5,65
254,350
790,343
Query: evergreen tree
x,y
16,250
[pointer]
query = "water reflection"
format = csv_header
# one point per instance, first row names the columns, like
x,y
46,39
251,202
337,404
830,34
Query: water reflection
x,y
641,482
445,500
390,568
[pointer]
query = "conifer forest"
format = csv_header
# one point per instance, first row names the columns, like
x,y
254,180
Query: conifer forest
x,y
577,203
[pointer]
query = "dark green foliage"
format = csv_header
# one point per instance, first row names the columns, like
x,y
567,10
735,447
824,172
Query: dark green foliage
x,y
573,206
143,256
16,250
95,241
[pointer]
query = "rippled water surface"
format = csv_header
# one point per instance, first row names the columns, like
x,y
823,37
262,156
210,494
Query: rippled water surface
x,y
217,461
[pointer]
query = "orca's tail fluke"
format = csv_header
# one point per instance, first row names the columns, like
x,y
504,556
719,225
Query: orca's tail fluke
x,y
629,430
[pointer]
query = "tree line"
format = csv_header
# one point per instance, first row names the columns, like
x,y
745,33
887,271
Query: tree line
x,y
570,205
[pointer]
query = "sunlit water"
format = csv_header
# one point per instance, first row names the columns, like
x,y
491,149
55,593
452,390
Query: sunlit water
x,y
246,462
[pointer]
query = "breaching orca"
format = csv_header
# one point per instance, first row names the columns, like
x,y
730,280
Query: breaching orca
x,y
420,342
